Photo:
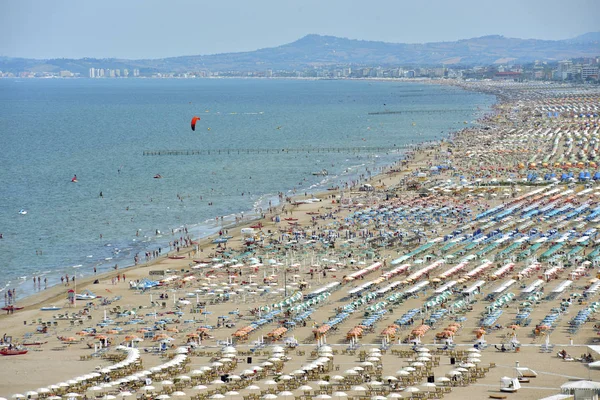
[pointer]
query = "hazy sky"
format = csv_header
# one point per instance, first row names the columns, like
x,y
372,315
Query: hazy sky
x,y
153,29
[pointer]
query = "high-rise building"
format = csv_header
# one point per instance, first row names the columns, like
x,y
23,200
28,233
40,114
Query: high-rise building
x,y
92,73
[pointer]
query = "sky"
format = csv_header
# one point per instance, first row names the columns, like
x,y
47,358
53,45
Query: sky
x,y
136,29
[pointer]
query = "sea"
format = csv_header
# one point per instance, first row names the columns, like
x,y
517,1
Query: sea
x,y
98,130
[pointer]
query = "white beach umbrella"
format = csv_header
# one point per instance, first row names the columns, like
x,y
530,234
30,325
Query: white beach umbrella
x,y
359,388
394,396
163,397
217,396
109,397
351,372
285,393
269,396
412,389
322,396
200,387
147,388
178,393
270,382
305,388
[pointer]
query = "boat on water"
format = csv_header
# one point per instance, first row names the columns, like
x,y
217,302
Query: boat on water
x,y
322,172
22,211
220,240
14,351
176,257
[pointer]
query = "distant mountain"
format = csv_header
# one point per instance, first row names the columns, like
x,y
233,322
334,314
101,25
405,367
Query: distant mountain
x,y
320,51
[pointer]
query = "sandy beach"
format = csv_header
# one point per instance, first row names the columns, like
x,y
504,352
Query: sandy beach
x,y
487,239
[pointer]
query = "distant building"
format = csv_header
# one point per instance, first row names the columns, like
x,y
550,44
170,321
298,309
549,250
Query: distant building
x,y
589,72
92,73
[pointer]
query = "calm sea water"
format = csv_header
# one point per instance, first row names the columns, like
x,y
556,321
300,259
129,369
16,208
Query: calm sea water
x,y
51,130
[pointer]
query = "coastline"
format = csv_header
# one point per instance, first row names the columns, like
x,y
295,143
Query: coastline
x,y
51,294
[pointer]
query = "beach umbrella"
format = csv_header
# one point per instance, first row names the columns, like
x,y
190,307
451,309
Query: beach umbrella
x,y
323,383
31,393
322,396
412,389
163,397
43,390
351,372
298,372
54,398
253,387
286,377
378,397
359,389
270,382
394,396
178,393
72,395
390,378
339,394
217,396
305,388
269,396
109,397
358,368
337,378
443,379
402,373
147,388
217,382
200,387
285,393
95,388
410,369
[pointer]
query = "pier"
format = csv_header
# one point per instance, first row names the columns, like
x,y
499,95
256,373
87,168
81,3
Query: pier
x,y
293,150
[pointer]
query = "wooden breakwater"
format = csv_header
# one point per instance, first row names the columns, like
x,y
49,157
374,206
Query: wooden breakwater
x,y
209,152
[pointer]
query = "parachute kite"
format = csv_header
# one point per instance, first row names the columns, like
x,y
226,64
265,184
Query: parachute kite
x,y
194,120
